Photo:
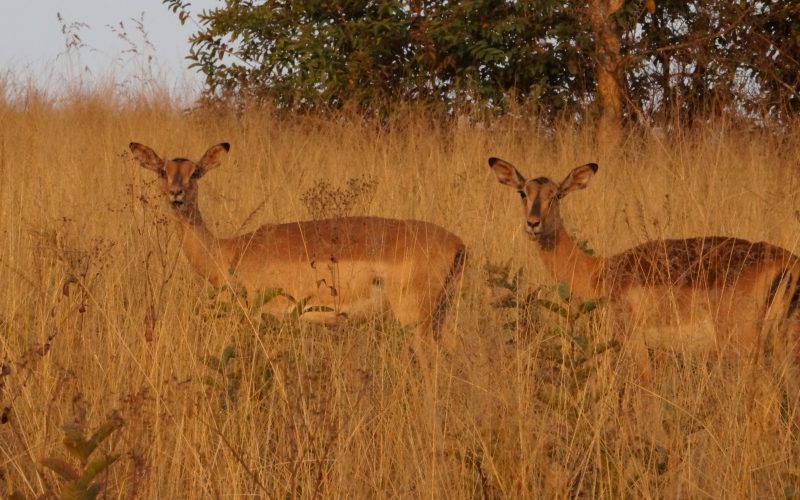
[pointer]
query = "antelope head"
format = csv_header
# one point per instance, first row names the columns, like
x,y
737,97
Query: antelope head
x,y
541,196
180,175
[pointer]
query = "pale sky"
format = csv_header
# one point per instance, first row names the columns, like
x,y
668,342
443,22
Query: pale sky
x,y
32,46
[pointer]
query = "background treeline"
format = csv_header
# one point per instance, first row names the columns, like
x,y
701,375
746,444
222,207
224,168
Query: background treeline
x,y
618,61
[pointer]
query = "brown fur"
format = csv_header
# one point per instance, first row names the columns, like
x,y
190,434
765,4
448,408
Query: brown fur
x,y
709,292
704,262
350,267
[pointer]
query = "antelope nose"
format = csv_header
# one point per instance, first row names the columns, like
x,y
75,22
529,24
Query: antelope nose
x,y
534,225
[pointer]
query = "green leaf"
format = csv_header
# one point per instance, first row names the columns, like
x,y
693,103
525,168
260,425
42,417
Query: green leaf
x,y
553,307
212,382
318,309
223,307
95,467
299,307
509,302
266,296
91,492
103,432
581,341
227,354
515,280
610,345
60,467
75,443
563,292
213,363
590,305
81,447
70,491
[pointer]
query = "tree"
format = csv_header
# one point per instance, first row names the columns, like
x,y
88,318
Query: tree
x,y
691,60
628,61
474,53
609,67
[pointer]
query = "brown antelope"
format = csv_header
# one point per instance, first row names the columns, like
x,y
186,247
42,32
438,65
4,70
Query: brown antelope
x,y
706,292
349,267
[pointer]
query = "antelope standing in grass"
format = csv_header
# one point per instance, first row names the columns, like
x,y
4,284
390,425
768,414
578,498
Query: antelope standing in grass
x,y
708,292
349,267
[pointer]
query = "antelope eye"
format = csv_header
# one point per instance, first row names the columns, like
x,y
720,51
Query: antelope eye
x,y
197,173
162,173
522,194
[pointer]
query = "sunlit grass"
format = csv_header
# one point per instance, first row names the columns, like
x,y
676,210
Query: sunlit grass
x,y
101,315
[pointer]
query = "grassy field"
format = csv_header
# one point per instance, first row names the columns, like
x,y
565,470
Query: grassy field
x,y
104,323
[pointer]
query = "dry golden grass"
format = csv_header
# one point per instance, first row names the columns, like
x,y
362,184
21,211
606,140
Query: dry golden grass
x,y
102,317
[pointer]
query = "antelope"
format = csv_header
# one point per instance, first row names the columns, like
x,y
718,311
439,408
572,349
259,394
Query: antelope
x,y
701,293
342,268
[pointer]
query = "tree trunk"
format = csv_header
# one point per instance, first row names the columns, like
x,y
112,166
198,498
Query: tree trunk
x,y
608,47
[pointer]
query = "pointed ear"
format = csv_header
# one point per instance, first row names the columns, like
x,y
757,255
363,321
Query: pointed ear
x,y
146,157
577,179
506,173
213,156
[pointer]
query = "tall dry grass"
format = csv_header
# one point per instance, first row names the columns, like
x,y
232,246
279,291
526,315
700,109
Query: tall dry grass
x,y
103,318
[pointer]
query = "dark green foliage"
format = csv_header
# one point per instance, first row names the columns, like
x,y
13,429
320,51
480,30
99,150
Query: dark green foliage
x,y
224,378
577,325
682,61
310,54
567,359
695,59
80,484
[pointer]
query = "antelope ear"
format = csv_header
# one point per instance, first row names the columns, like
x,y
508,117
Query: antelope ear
x,y
577,179
213,156
146,157
506,173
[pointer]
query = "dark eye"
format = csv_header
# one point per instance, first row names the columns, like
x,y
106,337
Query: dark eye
x,y
522,194
197,173
162,173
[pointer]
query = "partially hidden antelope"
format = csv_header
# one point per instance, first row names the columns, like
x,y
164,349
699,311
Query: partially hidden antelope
x,y
341,268
707,293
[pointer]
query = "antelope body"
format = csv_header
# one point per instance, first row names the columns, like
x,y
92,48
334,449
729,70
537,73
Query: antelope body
x,y
709,292
349,267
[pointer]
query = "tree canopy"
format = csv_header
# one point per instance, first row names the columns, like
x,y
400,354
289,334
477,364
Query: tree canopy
x,y
669,59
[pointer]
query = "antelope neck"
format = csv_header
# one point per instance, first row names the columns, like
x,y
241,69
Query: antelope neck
x,y
569,264
202,249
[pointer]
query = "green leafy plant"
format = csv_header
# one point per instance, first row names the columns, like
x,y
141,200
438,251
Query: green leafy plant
x,y
560,333
567,310
80,484
250,323
249,309
224,378
576,325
